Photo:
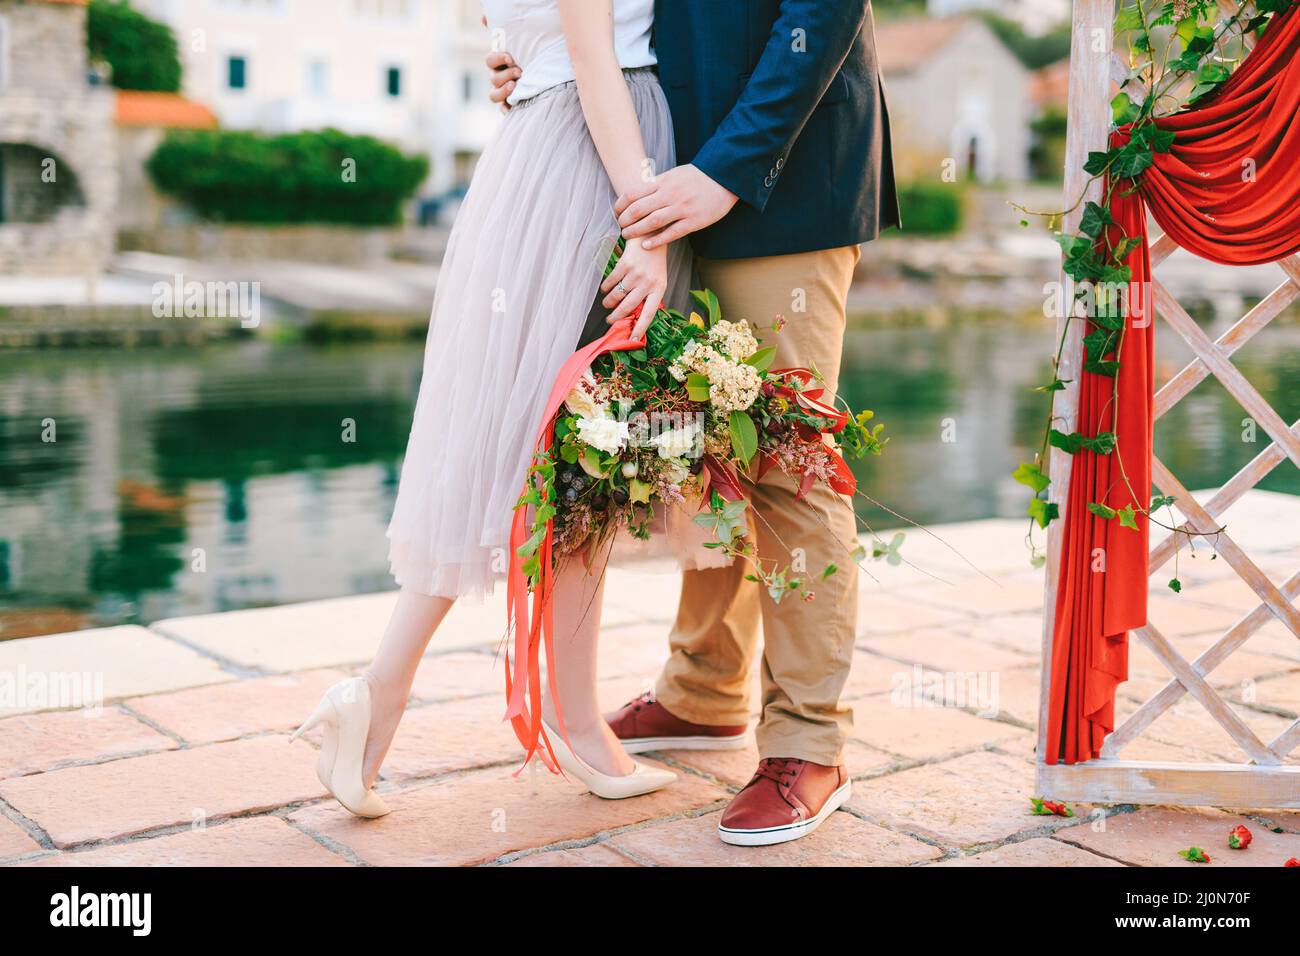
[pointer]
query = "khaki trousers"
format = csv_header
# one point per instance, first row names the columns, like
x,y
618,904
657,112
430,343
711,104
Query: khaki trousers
x,y
808,646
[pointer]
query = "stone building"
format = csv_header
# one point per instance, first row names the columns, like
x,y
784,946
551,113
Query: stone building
x,y
58,165
957,97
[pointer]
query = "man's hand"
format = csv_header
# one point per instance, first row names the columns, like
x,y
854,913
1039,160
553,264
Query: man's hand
x,y
672,206
505,71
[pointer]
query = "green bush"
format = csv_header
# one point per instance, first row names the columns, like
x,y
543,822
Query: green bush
x,y
318,176
1047,154
932,209
1034,52
141,51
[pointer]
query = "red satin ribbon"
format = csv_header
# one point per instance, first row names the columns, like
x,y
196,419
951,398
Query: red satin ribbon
x,y
534,625
1228,191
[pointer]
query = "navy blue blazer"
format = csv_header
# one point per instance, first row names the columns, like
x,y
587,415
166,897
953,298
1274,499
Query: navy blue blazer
x,y
781,102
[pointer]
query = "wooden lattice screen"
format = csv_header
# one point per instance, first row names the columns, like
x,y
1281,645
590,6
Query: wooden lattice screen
x,y
1264,781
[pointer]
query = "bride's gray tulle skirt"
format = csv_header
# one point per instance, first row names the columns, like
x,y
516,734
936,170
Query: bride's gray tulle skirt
x,y
517,283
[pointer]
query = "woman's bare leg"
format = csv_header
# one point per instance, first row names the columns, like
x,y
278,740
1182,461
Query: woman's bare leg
x,y
577,597
392,672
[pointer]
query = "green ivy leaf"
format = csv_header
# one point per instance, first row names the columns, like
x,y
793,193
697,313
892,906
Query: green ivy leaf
x,y
1129,18
1031,475
1176,586
1132,162
1127,518
1098,161
1095,219
1100,510
1044,512
1122,109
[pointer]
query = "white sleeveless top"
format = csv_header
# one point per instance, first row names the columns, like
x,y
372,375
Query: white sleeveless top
x,y
531,32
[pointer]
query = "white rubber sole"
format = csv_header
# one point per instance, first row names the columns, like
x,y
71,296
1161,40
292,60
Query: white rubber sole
x,y
640,745
793,831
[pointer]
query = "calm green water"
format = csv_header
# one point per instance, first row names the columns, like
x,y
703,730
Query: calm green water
x,y
236,452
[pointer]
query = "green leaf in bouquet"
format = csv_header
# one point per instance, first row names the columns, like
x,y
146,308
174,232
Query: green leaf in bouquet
x,y
697,387
591,463
830,569
639,491
708,301
889,552
530,546
744,436
762,359
726,519
643,378
570,453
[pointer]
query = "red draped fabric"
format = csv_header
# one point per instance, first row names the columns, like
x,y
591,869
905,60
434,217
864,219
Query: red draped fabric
x,y
1229,191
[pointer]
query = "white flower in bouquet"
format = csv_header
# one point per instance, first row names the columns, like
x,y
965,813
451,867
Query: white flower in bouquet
x,y
733,386
582,401
604,434
675,472
678,442
694,358
736,339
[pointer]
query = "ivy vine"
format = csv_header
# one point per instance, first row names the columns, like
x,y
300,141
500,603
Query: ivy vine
x,y
1177,53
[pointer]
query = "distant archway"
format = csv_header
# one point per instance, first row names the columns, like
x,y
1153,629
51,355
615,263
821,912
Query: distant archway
x,y
35,184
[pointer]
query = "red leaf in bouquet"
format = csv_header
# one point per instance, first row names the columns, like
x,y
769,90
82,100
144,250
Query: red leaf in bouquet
x,y
806,484
1292,861
723,479
843,480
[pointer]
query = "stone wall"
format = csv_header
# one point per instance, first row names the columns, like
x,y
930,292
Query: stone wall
x,y
47,47
47,106
324,244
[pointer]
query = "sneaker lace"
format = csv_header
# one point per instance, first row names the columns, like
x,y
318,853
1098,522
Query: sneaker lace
x,y
780,770
645,700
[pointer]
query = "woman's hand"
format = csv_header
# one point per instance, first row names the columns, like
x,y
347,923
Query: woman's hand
x,y
505,73
639,280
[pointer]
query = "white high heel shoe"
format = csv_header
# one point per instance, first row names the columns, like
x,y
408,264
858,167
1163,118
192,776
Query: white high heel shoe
x,y
644,779
344,714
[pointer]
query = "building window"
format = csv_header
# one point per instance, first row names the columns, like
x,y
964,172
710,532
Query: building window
x,y
237,73
393,81
318,78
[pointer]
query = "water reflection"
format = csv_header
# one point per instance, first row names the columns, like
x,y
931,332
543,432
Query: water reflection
x,y
258,473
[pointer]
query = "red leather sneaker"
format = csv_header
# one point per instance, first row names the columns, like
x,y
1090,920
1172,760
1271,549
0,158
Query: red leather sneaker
x,y
645,724
786,799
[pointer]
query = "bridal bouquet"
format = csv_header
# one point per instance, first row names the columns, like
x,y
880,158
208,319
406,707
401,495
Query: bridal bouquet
x,y
682,418
685,418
